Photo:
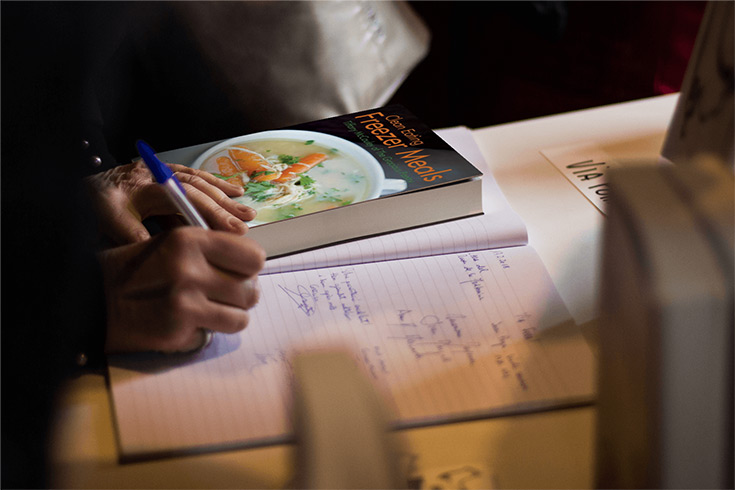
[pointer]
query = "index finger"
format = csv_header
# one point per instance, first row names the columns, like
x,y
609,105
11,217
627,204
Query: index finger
x,y
223,185
233,253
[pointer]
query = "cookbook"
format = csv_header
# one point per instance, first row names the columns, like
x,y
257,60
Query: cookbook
x,y
345,177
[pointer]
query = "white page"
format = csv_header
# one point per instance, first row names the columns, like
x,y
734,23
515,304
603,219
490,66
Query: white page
x,y
443,338
498,227
587,166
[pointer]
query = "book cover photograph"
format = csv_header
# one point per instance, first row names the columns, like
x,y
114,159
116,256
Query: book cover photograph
x,y
342,162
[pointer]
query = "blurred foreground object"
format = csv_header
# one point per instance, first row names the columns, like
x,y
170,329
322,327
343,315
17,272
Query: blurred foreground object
x,y
666,328
289,62
341,428
703,120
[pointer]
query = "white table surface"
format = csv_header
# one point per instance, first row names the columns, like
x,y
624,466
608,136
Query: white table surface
x,y
563,226
546,450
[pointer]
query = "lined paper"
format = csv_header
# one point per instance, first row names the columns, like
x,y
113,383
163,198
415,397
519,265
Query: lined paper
x,y
442,338
498,227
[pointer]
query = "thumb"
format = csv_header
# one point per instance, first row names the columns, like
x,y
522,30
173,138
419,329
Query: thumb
x,y
123,224
128,228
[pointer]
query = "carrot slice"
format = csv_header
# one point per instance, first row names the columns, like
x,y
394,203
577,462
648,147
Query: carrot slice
x,y
304,164
227,167
248,160
266,176
237,180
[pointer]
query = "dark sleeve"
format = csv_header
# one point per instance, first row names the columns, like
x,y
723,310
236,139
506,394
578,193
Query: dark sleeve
x,y
52,301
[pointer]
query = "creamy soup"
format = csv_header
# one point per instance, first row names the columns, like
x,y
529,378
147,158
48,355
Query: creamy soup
x,y
283,178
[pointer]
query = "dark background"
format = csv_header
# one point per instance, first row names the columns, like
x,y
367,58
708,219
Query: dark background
x,y
496,62
490,62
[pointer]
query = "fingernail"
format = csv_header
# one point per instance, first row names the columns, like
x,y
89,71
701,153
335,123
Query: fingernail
x,y
245,209
236,224
251,285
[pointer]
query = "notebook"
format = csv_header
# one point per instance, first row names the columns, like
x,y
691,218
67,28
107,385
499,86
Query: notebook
x,y
450,322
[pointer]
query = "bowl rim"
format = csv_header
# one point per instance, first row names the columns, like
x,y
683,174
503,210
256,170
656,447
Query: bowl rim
x,y
356,151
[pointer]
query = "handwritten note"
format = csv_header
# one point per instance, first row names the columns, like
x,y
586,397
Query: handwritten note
x,y
443,338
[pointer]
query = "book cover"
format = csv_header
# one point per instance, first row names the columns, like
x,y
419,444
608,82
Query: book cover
x,y
318,183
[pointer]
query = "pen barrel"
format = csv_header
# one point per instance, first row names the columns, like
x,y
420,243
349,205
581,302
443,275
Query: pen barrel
x,y
184,206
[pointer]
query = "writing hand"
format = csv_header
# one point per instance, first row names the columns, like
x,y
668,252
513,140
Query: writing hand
x,y
124,196
160,292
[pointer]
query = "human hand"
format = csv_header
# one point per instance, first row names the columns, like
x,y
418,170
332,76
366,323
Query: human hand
x,y
124,196
161,293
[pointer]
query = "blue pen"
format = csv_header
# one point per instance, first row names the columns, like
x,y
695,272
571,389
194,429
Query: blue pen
x,y
171,185
175,190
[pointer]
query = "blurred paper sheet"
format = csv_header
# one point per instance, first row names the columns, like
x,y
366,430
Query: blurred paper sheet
x,y
586,167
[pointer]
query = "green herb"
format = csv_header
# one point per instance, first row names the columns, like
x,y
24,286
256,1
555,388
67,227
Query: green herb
x,y
309,142
330,196
288,159
259,191
289,211
333,150
262,172
305,181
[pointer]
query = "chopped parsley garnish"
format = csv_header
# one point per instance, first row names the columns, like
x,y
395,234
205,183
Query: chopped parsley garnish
x,y
330,195
259,191
289,211
305,181
309,142
288,159
262,172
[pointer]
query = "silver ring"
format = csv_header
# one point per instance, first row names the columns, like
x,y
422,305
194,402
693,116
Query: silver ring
x,y
207,338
